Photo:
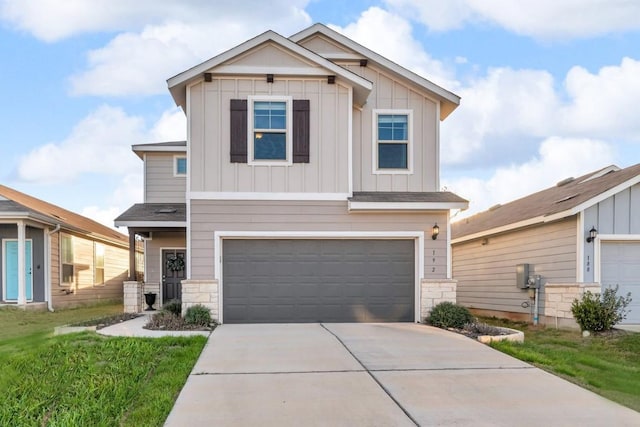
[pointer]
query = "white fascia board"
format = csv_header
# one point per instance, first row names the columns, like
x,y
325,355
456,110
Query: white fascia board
x,y
159,149
150,223
207,195
618,237
605,195
421,81
406,206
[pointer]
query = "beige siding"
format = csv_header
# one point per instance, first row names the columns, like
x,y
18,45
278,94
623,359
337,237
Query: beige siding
x,y
211,168
153,252
84,290
208,217
160,184
392,94
486,269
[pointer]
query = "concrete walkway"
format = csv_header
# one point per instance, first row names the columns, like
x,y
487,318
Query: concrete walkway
x,y
375,375
134,328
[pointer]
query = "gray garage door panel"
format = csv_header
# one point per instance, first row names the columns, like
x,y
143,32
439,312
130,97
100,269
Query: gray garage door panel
x,y
621,266
282,281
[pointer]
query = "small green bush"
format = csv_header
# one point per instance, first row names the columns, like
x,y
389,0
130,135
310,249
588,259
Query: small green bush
x,y
198,315
173,306
597,313
449,315
165,320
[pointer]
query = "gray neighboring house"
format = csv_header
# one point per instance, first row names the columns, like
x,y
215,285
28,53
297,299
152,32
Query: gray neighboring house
x,y
308,188
582,234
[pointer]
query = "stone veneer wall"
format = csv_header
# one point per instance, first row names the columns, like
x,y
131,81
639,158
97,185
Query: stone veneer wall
x,y
558,298
132,297
203,292
434,292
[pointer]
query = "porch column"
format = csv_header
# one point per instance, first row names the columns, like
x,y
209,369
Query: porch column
x,y
22,278
132,255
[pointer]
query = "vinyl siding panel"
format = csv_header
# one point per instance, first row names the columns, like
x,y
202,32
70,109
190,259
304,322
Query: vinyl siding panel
x,y
84,290
160,183
153,252
486,273
207,217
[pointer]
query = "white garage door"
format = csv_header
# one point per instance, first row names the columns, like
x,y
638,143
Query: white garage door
x,y
620,263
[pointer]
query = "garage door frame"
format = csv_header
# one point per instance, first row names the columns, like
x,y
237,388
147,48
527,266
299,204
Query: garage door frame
x,y
416,236
597,249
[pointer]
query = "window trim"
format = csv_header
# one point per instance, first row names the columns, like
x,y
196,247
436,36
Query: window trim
x,y
95,264
374,147
62,263
175,166
288,100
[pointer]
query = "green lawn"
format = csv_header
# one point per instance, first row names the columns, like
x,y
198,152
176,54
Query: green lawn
x,y
87,379
606,364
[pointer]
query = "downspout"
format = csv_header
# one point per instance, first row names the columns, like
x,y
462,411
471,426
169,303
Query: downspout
x,y
47,271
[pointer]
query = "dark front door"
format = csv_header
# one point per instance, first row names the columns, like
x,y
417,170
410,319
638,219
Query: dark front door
x,y
174,270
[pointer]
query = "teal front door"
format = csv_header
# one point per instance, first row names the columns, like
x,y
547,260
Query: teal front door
x,y
11,269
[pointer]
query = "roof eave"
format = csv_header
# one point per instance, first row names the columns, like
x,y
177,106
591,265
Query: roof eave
x,y
406,206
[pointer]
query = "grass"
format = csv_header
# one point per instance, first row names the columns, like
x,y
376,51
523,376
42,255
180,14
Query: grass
x,y
87,379
607,364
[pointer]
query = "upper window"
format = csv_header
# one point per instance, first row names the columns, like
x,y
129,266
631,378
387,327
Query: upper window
x,y
98,264
392,151
66,259
270,130
179,166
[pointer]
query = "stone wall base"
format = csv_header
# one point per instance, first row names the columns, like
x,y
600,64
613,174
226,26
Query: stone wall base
x,y
558,298
433,292
132,297
204,292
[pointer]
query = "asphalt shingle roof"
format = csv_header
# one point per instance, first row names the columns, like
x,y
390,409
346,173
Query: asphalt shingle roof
x,y
395,196
154,212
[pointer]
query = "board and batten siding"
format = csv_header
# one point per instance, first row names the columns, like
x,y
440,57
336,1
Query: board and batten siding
x,y
618,214
209,216
209,130
392,94
153,252
160,184
486,269
84,290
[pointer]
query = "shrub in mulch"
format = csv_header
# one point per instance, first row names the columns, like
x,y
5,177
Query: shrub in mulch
x,y
197,318
449,315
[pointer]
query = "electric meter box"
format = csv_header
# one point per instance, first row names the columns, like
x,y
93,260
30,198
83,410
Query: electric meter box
x,y
522,276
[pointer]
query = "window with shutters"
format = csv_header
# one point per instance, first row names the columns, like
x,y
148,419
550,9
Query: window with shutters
x,y
269,130
392,143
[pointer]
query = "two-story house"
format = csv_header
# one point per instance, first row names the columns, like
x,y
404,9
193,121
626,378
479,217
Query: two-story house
x,y
307,189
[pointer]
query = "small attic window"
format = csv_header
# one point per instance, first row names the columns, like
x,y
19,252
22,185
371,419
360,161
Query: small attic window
x,y
166,211
564,199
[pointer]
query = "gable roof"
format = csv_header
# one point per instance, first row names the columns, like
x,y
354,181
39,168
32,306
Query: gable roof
x,y
178,83
565,199
449,100
14,204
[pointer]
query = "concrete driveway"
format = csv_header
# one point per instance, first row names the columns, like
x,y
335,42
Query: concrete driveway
x,y
375,375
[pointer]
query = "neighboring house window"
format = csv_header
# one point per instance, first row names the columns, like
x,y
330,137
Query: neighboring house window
x,y
179,166
392,151
269,130
98,264
66,259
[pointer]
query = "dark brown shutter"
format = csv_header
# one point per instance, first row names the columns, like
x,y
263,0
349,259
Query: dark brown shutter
x,y
300,131
239,131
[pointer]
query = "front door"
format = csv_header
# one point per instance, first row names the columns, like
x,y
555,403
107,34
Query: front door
x,y
11,269
174,269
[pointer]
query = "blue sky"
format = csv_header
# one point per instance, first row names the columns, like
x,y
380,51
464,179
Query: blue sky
x,y
549,87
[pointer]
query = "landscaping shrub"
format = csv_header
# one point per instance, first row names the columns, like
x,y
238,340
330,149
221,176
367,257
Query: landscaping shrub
x,y
165,320
173,306
198,315
449,315
597,313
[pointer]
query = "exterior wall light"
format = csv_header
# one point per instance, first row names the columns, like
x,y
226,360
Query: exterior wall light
x,y
435,230
592,234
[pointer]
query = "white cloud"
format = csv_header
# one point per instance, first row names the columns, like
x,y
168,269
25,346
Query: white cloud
x,y
172,126
391,36
558,158
542,19
128,192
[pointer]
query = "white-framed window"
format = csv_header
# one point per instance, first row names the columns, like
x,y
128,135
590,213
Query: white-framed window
x,y
98,264
66,260
270,130
392,141
179,165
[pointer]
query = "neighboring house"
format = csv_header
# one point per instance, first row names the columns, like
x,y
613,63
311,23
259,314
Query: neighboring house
x,y
582,234
308,188
54,258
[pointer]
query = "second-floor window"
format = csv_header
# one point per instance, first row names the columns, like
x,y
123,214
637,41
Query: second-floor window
x,y
392,151
270,130
180,166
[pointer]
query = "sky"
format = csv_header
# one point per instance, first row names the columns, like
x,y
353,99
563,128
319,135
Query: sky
x,y
549,88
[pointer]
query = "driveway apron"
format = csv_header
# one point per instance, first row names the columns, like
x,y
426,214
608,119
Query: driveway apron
x,y
375,375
